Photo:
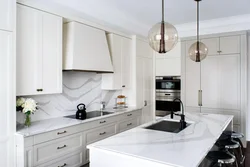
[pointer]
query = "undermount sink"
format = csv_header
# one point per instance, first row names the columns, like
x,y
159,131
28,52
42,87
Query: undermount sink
x,y
167,126
92,114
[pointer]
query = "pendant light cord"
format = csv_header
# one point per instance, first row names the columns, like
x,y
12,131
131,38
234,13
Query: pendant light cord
x,y
162,10
198,23
162,41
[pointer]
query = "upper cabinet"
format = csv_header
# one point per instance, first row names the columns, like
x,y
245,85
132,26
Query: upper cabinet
x,y
39,52
169,64
6,14
121,53
223,45
85,49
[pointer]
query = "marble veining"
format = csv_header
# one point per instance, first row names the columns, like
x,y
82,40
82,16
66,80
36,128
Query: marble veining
x,y
184,149
78,87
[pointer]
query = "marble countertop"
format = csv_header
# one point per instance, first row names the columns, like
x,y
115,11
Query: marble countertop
x,y
47,125
184,149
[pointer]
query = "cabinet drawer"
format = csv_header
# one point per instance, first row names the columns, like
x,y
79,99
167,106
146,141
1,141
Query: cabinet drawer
x,y
128,124
44,137
74,160
131,114
100,133
57,148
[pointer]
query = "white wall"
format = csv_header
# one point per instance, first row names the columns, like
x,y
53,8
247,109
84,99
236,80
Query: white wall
x,y
78,87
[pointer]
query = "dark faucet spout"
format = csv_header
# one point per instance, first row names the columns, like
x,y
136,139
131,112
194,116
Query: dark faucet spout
x,y
182,115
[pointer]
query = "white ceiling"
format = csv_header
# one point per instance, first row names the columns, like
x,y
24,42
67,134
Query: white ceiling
x,y
140,15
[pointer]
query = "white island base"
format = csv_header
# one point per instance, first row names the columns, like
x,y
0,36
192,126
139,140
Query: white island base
x,y
140,147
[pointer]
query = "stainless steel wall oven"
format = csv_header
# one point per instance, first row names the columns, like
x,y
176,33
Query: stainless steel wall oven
x,y
168,89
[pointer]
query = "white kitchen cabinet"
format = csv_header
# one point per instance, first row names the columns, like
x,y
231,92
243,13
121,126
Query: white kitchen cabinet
x,y
72,160
7,8
68,145
144,81
220,77
210,82
39,52
100,133
192,74
28,157
230,45
169,64
121,52
45,152
230,79
222,45
128,124
213,45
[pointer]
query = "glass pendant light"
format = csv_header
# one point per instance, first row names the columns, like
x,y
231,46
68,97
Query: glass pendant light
x,y
198,51
163,36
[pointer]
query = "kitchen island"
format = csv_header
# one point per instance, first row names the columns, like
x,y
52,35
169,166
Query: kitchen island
x,y
140,147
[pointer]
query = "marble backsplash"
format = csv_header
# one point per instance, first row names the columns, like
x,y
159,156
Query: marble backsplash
x,y
78,87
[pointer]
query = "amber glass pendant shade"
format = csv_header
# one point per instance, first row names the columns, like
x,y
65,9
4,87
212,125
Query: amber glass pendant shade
x,y
198,51
167,42
163,36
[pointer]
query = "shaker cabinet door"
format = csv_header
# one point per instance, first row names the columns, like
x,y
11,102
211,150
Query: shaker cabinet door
x,y
210,82
192,82
39,52
28,53
213,45
52,54
230,45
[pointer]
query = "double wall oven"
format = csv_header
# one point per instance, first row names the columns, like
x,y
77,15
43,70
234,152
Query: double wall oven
x,y
167,89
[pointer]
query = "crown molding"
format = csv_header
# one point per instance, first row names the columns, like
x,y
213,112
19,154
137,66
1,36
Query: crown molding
x,y
220,25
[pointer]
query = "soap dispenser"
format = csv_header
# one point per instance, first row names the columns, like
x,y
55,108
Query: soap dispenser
x,y
81,112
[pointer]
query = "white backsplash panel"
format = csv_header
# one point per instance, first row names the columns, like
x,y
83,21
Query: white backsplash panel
x,y
78,87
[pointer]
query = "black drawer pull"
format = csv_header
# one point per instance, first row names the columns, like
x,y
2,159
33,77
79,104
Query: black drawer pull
x,y
59,133
61,147
101,122
129,115
63,165
39,90
167,94
103,133
129,124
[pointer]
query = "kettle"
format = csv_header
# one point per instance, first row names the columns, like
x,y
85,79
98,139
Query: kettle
x,y
81,112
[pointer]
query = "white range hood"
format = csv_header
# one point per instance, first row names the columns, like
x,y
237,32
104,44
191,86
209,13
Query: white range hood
x,y
85,49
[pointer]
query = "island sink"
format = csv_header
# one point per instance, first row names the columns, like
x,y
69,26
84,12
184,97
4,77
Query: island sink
x,y
167,126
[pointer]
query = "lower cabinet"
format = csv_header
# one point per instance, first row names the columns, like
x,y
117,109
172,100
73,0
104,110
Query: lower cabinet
x,y
56,148
128,124
97,134
67,147
72,160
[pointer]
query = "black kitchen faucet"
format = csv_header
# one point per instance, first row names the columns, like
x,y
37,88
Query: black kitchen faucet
x,y
183,123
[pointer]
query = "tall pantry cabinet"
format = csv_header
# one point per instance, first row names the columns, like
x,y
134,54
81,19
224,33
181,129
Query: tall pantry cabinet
x,y
144,78
218,83
7,84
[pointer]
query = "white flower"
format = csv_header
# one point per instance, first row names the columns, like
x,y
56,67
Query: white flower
x,y
29,105
20,101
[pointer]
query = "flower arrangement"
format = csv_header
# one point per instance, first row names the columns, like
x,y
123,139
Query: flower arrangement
x,y
27,106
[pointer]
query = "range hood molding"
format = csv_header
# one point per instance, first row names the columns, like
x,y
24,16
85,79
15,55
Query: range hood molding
x,y
85,49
